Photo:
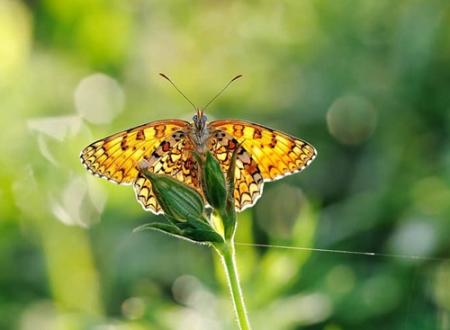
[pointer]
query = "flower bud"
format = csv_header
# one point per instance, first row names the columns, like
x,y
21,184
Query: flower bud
x,y
178,201
229,213
213,182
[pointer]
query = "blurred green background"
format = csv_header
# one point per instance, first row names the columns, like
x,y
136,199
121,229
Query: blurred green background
x,y
366,82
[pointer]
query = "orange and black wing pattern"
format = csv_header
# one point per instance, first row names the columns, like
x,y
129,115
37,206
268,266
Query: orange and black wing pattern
x,y
264,154
173,157
277,154
116,157
248,179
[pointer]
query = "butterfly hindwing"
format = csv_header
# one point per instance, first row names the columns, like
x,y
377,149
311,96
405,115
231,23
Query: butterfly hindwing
x,y
145,195
276,153
173,157
116,157
248,182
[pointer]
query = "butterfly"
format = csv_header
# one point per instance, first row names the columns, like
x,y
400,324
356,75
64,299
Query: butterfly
x,y
168,146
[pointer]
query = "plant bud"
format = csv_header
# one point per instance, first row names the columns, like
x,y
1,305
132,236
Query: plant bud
x,y
179,201
213,182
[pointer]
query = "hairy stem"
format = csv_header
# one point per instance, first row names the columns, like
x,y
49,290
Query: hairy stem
x,y
227,254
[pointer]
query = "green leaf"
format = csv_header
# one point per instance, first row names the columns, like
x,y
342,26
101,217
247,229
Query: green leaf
x,y
200,230
199,235
193,223
160,226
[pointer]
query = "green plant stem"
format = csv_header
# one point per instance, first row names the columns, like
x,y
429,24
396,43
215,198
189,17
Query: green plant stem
x,y
227,254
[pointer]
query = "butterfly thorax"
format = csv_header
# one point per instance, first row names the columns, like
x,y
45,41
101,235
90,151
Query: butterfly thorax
x,y
199,132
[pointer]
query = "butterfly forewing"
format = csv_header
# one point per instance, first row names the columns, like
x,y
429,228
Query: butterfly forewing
x,y
277,154
117,156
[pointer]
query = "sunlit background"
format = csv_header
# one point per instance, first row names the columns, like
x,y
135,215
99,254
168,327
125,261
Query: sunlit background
x,y
366,82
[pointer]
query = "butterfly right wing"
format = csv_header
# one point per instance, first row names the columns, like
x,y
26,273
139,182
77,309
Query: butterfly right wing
x,y
116,157
248,179
277,154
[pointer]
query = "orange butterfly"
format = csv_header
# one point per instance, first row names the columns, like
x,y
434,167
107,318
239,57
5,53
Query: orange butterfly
x,y
167,146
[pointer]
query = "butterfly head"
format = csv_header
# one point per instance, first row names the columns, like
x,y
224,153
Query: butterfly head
x,y
199,120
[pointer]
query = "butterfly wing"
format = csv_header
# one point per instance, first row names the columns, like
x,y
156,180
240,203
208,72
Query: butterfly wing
x,y
173,157
248,181
116,157
277,154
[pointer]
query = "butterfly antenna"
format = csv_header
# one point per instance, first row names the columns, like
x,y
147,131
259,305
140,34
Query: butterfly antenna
x,y
187,99
221,91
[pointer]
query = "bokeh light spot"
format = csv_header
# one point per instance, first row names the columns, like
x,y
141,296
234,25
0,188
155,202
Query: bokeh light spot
x,y
99,98
58,128
279,216
78,204
183,288
415,237
133,308
351,119
189,291
304,309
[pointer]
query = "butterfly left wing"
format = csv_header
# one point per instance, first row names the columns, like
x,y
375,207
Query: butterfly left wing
x,y
116,157
277,154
